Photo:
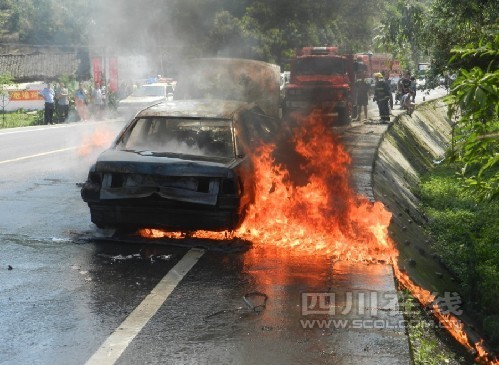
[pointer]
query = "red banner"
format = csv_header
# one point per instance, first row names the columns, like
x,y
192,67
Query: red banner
x,y
113,74
19,95
97,67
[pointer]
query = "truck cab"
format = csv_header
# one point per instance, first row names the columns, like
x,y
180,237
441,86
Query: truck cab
x,y
321,78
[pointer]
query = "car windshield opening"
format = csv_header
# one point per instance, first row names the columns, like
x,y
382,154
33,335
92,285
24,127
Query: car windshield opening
x,y
187,136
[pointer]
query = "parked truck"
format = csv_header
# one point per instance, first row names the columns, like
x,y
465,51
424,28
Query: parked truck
x,y
378,62
322,78
231,79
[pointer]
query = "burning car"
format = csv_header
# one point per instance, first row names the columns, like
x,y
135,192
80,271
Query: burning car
x,y
180,166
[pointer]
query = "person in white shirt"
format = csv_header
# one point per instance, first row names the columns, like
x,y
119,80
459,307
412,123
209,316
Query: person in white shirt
x,y
62,96
48,95
99,102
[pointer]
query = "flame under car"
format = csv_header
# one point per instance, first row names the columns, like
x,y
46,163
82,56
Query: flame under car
x,y
179,165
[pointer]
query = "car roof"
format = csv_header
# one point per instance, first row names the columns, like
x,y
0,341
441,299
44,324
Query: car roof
x,y
195,108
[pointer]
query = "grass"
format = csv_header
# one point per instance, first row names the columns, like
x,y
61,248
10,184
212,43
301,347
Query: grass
x,y
430,344
20,118
465,234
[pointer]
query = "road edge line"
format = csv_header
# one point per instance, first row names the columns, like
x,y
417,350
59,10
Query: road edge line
x,y
118,341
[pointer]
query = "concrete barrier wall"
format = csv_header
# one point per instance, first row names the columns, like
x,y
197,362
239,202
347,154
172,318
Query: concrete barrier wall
x,y
408,149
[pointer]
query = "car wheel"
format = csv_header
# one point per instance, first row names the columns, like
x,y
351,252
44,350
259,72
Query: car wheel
x,y
343,116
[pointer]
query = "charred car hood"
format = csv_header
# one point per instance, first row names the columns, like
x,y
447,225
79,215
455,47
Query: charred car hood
x,y
150,163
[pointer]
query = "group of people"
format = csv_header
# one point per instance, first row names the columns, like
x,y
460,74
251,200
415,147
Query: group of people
x,y
95,98
383,96
406,90
58,100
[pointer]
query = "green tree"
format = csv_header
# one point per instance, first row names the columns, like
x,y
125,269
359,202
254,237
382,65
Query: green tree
x,y
400,31
455,23
271,31
51,22
475,97
428,30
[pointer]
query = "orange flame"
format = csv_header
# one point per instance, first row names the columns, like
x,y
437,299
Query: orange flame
x,y
322,213
101,137
448,321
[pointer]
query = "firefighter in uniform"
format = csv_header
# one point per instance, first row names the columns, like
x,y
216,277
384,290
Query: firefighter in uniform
x,y
382,95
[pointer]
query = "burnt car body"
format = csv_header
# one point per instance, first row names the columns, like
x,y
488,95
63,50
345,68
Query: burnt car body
x,y
180,166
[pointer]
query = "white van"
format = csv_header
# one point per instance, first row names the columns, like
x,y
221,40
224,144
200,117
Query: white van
x,y
144,96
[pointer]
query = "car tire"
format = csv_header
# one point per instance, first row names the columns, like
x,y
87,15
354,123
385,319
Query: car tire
x,y
343,116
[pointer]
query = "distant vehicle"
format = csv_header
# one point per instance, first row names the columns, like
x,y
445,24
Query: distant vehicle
x,y
323,79
424,66
378,62
422,74
144,96
231,79
180,166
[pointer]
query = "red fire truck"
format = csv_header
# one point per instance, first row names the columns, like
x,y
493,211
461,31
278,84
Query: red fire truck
x,y
322,78
377,62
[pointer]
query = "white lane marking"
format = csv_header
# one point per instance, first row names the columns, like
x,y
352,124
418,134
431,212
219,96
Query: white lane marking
x,y
41,154
18,130
109,352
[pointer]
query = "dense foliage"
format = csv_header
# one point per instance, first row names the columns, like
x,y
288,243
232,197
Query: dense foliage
x,y
464,212
475,99
21,118
429,30
466,236
47,22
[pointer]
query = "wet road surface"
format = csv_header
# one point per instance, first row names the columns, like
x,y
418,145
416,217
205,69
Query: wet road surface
x,y
67,293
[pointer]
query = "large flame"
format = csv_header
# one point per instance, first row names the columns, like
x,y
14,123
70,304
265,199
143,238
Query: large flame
x,y
308,205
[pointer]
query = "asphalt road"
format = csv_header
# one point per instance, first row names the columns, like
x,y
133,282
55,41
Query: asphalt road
x,y
69,297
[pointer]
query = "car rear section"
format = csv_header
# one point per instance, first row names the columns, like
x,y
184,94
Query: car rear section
x,y
176,195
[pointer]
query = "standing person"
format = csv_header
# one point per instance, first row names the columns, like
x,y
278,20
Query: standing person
x,y
386,76
362,96
81,102
62,103
382,96
398,93
98,100
48,95
405,89
413,88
